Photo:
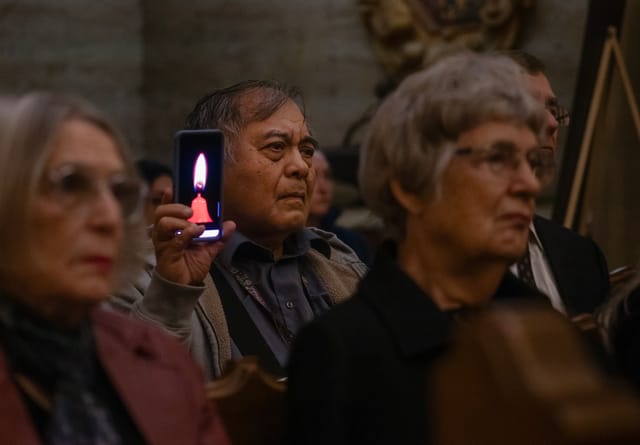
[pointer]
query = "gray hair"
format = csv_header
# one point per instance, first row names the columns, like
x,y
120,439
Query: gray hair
x,y
29,125
412,135
231,109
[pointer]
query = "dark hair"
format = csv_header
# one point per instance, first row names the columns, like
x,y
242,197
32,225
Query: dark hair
x,y
230,109
530,63
151,170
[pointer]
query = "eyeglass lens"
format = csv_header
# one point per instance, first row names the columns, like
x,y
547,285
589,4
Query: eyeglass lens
x,y
560,113
73,185
504,159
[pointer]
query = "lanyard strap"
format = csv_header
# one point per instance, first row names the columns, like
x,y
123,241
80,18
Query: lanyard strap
x,y
247,284
242,329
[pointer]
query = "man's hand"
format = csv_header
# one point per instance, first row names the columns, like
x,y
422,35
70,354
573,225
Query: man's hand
x,y
178,259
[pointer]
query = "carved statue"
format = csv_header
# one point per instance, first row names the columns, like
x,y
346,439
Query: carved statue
x,y
408,34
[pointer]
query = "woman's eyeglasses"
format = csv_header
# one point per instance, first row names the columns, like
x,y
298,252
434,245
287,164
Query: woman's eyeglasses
x,y
504,160
73,185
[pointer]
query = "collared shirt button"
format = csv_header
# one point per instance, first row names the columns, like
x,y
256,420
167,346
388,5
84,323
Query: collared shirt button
x,y
289,305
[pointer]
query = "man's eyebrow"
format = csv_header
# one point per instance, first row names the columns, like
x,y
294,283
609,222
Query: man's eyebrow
x,y
277,133
287,138
503,144
310,140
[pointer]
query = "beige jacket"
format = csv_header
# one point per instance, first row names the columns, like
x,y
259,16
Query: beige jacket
x,y
194,314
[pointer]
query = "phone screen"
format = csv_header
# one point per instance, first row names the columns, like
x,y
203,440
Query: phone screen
x,y
198,169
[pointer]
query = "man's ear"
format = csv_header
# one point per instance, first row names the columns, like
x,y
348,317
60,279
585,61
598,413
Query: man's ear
x,y
410,201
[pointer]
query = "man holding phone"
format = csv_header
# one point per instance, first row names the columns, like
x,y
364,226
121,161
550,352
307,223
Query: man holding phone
x,y
249,292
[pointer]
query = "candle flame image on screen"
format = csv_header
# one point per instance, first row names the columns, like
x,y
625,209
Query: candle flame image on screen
x,y
199,204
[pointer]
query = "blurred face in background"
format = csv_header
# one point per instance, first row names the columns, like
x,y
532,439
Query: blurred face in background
x,y
76,224
154,196
542,90
322,195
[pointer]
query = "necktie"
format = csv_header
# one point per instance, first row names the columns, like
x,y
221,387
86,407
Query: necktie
x,y
525,272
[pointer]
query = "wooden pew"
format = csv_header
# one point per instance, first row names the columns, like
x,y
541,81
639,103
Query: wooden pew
x,y
523,376
251,403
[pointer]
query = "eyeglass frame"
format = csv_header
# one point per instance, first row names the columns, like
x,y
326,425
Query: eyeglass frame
x,y
559,113
510,168
89,187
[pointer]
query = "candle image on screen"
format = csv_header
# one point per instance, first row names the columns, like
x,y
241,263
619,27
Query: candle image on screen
x,y
199,204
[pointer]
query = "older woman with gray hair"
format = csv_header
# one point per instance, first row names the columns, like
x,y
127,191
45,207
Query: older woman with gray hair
x,y
71,372
452,164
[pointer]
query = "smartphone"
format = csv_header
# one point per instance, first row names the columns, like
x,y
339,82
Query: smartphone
x,y
199,156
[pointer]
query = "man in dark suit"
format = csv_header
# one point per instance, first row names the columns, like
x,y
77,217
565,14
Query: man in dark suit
x,y
570,269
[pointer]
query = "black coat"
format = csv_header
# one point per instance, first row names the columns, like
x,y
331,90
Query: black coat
x,y
358,374
578,266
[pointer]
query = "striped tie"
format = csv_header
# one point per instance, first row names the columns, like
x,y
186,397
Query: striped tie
x,y
525,272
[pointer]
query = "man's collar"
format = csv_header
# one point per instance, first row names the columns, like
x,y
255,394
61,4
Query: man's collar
x,y
535,238
318,243
298,243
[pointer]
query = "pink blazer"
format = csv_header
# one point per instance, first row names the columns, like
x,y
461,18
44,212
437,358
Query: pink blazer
x,y
155,377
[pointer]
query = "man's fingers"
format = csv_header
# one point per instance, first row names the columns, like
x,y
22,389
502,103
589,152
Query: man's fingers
x,y
228,227
173,210
169,227
192,231
214,248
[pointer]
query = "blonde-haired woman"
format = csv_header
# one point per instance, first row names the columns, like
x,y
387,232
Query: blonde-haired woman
x,y
71,372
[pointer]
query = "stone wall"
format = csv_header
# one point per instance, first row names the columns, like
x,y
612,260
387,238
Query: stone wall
x,y
93,50
147,62
319,46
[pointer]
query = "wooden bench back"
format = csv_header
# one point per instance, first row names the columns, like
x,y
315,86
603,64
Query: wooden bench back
x,y
251,403
523,376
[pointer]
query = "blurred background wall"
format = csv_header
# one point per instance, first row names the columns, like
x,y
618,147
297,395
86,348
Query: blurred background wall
x,y
147,61
610,213
94,49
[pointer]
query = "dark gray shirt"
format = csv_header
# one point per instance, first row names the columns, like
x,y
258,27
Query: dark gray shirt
x,y
292,293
